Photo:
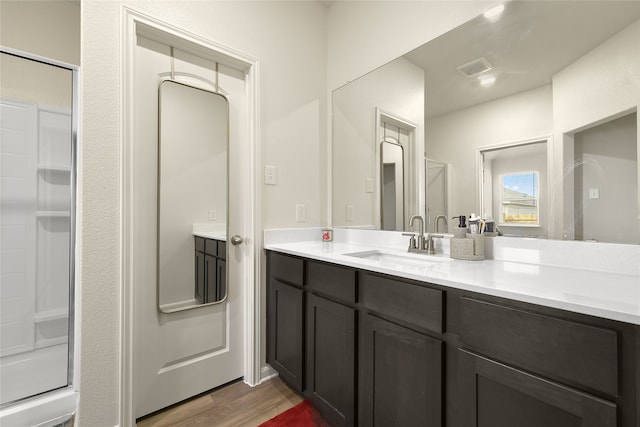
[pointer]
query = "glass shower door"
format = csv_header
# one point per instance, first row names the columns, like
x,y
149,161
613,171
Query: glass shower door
x,y
436,196
36,225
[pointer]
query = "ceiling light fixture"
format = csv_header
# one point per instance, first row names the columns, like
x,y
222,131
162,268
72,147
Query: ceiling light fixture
x,y
487,81
494,12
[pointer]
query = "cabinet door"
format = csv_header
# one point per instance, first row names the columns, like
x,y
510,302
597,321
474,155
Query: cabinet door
x,y
221,280
330,367
285,332
211,275
200,277
400,380
496,395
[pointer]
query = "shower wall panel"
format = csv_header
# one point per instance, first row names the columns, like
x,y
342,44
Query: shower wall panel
x,y
35,173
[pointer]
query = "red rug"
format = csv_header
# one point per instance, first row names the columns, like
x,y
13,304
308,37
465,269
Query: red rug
x,y
301,415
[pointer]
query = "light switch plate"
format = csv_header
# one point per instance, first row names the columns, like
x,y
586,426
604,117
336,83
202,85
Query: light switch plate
x,y
301,213
351,216
270,175
369,185
594,193
213,215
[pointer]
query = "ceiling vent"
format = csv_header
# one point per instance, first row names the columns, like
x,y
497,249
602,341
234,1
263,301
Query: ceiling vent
x,y
475,67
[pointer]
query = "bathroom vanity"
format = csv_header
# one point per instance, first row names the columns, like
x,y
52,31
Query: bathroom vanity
x,y
210,269
369,347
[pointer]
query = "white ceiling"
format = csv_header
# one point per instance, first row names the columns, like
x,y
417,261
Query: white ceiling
x,y
531,41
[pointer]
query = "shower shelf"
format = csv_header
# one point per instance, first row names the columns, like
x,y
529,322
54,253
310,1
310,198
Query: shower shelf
x,y
54,168
45,316
53,214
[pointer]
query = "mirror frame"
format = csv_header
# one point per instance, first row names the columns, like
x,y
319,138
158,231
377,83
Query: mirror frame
x,y
158,184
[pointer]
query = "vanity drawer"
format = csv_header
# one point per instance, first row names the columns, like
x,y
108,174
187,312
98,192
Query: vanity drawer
x,y
286,268
418,305
222,249
211,247
199,244
555,348
332,280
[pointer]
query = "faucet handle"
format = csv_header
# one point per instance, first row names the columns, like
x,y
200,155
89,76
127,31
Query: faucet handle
x,y
412,241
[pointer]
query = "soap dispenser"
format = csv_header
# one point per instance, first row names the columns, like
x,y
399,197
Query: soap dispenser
x,y
460,231
467,244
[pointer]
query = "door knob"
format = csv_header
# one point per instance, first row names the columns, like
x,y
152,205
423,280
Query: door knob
x,y
236,240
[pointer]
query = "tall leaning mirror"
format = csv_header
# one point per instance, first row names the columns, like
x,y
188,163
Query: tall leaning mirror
x,y
192,196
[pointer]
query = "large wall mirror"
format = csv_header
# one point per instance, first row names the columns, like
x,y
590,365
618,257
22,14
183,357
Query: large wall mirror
x,y
192,196
530,113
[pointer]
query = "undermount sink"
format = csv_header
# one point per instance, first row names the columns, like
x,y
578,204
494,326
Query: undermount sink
x,y
403,258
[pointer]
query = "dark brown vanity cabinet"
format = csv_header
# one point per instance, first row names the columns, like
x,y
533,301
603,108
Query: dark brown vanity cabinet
x,y
311,332
285,317
531,369
498,395
331,341
210,270
330,358
400,362
375,350
400,376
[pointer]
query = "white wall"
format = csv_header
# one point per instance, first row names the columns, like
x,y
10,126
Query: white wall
x,y
601,85
22,26
46,28
607,159
396,88
454,137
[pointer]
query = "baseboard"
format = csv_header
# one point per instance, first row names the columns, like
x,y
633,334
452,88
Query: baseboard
x,y
266,373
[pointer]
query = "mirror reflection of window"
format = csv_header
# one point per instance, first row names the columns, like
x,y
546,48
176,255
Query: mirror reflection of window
x,y
513,179
519,199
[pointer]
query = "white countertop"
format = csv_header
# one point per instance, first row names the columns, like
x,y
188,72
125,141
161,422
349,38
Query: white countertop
x,y
210,231
597,293
211,235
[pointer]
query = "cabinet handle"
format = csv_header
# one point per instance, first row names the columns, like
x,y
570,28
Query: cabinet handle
x,y
236,240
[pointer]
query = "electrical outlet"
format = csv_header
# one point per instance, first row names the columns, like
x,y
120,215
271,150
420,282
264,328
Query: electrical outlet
x,y
213,215
351,215
594,193
368,185
301,213
270,175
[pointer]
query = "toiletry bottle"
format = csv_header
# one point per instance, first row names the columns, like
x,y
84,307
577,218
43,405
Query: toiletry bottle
x,y
460,231
474,224
461,221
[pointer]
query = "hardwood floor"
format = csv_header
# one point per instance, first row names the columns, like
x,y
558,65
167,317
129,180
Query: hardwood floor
x,y
235,404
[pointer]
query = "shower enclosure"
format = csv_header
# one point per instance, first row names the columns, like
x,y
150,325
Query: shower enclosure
x,y
38,104
436,196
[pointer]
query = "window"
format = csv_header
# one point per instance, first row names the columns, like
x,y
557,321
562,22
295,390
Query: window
x,y
519,201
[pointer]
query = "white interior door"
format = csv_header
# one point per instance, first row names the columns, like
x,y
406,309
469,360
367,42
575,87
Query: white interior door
x,y
178,355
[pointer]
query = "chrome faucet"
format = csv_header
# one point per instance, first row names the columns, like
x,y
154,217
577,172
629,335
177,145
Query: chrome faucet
x,y
421,243
420,239
437,220
429,244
